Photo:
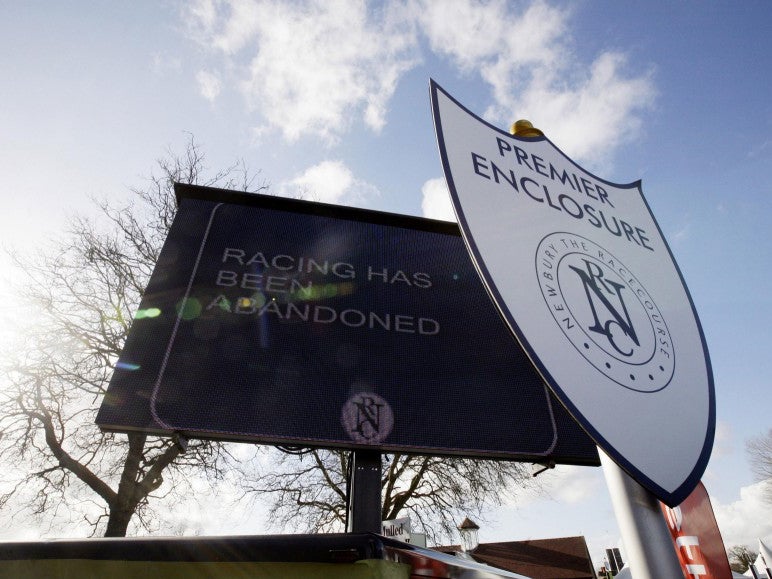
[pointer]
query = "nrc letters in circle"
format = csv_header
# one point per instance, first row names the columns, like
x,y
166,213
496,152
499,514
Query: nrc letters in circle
x,y
605,312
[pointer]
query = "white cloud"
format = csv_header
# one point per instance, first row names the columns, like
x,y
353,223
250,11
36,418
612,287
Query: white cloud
x,y
200,17
526,58
577,485
436,203
744,521
208,85
595,115
573,484
565,484
314,66
329,182
504,41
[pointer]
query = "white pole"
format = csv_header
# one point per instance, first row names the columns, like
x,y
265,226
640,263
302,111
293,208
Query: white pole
x,y
645,535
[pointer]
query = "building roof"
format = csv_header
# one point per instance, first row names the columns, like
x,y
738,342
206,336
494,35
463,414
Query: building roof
x,y
468,523
562,558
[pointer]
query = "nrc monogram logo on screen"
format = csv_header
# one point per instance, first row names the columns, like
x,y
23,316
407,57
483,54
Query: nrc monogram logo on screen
x,y
367,418
605,312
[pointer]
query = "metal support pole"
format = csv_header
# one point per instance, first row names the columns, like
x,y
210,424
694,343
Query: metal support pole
x,y
648,544
364,508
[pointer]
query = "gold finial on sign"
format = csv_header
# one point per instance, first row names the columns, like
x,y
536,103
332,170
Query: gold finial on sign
x,y
523,128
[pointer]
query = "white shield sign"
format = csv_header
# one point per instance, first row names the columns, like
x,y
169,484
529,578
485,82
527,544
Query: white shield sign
x,y
579,269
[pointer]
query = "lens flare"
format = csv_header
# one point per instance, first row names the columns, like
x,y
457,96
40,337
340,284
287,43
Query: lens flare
x,y
189,309
127,366
147,313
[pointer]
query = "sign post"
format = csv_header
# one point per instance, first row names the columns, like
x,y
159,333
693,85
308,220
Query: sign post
x,y
364,490
644,531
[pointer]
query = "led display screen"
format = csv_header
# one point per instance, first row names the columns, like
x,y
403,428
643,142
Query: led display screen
x,y
289,322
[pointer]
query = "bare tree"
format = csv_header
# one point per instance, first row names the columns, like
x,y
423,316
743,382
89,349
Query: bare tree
x,y
83,295
307,489
760,453
57,463
740,558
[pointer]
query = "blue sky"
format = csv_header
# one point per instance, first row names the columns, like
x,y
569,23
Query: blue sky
x,y
331,98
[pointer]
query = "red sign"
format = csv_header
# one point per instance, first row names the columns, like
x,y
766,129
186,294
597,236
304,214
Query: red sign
x,y
696,537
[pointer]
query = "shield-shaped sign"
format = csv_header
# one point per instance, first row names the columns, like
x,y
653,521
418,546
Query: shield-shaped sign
x,y
581,272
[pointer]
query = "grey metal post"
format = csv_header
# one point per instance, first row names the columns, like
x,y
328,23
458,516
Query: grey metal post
x,y
364,508
648,544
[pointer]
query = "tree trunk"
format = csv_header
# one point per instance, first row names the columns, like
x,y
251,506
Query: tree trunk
x,y
118,522
124,504
135,485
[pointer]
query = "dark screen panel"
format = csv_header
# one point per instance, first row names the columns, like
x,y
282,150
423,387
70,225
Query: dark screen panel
x,y
298,323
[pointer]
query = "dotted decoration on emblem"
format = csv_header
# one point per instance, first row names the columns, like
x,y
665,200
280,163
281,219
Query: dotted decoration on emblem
x,y
605,312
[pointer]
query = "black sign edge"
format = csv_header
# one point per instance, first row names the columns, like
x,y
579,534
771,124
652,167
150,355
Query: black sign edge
x,y
184,191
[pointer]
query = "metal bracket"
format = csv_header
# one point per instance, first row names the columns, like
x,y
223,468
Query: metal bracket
x,y
180,441
539,467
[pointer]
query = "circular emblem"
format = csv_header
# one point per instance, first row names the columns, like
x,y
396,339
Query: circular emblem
x,y
367,418
605,312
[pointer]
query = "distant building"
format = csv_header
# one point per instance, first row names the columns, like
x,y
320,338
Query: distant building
x,y
615,562
563,558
